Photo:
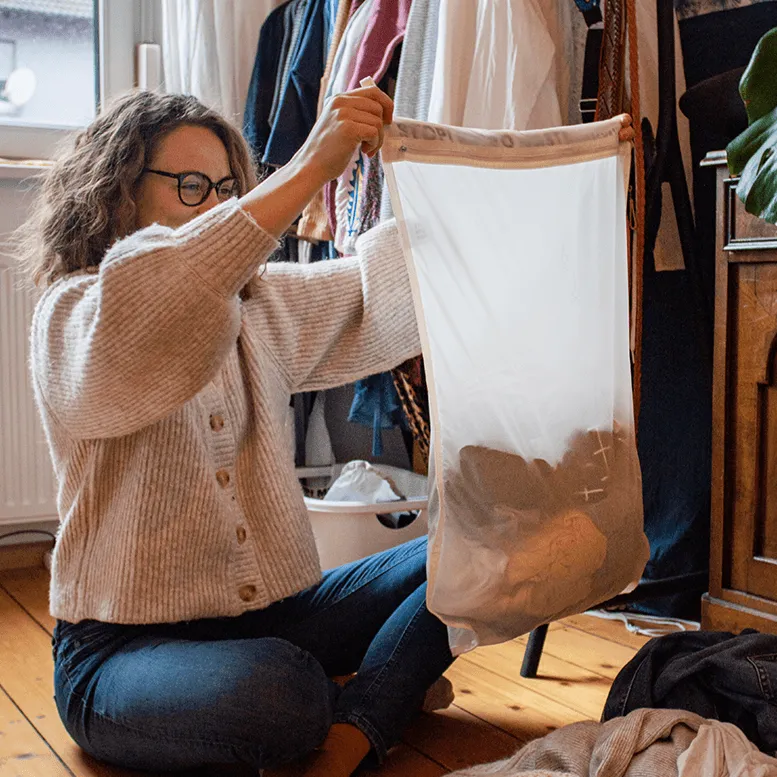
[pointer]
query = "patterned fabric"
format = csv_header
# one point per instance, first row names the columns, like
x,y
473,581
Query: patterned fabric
x,y
369,207
410,382
612,63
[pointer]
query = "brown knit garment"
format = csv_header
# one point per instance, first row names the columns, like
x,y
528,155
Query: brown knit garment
x,y
164,399
645,743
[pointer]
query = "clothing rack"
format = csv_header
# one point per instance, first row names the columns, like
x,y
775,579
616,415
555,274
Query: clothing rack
x,y
296,40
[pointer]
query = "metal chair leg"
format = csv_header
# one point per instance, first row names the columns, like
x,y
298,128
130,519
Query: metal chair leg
x,y
531,658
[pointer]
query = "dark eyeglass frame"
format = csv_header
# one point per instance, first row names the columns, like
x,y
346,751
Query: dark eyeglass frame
x,y
180,177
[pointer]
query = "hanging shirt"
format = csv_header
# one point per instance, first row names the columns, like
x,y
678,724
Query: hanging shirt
x,y
416,72
347,51
269,51
416,67
330,19
495,65
292,23
385,31
297,111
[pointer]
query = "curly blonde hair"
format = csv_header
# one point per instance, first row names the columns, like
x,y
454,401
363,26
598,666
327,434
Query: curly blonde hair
x,y
87,198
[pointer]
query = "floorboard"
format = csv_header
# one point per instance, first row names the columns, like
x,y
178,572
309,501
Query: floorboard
x,y
496,710
23,751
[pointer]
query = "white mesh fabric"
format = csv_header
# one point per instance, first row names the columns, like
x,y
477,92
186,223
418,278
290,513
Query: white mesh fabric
x,y
516,246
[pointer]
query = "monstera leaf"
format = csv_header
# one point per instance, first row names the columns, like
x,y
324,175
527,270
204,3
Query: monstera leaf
x,y
753,154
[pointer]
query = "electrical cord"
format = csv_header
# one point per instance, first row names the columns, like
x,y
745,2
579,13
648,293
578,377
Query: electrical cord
x,y
647,625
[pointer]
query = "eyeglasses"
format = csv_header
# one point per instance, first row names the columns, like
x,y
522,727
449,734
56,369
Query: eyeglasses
x,y
194,188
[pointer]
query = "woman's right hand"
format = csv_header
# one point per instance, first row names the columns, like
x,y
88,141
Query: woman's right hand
x,y
349,120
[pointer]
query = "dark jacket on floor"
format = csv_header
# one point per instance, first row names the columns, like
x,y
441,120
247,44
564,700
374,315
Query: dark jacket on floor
x,y
715,674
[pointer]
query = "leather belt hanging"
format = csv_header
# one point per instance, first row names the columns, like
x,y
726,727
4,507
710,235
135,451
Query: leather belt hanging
x,y
636,206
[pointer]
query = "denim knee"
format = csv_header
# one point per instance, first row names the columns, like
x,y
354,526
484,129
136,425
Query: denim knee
x,y
282,698
181,704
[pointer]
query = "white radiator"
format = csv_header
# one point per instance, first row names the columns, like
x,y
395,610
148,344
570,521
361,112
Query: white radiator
x,y
27,486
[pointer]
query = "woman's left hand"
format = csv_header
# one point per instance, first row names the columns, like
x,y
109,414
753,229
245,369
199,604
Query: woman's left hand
x,y
626,135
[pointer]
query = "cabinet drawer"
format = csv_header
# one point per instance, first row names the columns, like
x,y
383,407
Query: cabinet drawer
x,y
743,230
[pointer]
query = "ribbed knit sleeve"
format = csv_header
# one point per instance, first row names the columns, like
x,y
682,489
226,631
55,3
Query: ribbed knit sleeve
x,y
115,351
336,321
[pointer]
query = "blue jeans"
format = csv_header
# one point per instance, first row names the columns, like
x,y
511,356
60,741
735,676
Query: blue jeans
x,y
256,689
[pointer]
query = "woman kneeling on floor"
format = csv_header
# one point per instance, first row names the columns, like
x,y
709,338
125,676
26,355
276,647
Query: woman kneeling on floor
x,y
194,624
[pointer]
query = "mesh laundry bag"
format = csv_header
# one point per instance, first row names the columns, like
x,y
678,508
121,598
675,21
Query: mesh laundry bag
x,y
516,246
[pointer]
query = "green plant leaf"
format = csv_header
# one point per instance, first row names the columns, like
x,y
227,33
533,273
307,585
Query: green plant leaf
x,y
753,154
758,85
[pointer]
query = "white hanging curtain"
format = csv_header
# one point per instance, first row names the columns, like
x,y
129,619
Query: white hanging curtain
x,y
210,47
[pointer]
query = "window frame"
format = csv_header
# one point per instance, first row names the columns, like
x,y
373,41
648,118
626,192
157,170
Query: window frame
x,y
121,25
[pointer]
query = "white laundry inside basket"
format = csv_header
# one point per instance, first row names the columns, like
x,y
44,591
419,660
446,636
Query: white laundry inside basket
x,y
516,246
359,481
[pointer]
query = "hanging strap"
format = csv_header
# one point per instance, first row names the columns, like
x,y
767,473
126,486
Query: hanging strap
x,y
611,97
638,219
593,45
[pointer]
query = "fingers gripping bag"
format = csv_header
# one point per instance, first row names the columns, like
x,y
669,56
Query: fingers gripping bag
x,y
516,246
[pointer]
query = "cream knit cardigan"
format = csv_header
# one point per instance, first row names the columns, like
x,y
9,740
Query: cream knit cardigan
x,y
164,400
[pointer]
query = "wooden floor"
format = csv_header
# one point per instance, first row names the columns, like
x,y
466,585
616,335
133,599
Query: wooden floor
x,y
495,712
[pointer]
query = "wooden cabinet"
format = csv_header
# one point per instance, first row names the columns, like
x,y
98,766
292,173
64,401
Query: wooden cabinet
x,y
743,549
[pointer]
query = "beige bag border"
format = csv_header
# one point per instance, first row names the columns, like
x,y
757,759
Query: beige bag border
x,y
416,141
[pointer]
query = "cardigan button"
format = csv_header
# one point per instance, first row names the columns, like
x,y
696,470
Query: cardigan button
x,y
217,422
247,593
241,534
223,478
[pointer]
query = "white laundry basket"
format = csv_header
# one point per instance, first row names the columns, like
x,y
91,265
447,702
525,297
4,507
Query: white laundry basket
x,y
346,531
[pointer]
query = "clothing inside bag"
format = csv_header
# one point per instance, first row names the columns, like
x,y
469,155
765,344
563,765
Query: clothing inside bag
x,y
516,246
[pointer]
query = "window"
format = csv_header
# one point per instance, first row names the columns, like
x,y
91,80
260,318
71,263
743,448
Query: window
x,y
58,60
47,62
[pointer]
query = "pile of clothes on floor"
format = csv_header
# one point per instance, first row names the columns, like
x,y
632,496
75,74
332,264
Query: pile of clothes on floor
x,y
690,704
